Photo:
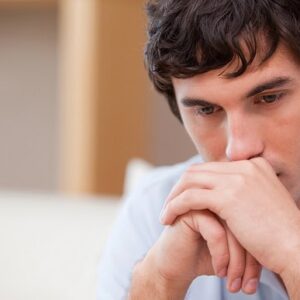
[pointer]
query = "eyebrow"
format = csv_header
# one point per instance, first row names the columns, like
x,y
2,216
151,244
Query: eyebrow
x,y
271,84
274,83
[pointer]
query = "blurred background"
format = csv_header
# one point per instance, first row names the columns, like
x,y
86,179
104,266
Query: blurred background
x,y
76,108
76,103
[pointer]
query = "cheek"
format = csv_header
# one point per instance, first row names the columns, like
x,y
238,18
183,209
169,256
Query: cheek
x,y
210,143
286,136
283,148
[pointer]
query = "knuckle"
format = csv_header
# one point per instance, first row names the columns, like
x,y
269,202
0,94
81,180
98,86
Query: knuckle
x,y
249,167
182,200
222,259
189,194
259,160
186,177
171,207
237,271
262,164
231,195
218,237
253,264
190,215
240,180
237,268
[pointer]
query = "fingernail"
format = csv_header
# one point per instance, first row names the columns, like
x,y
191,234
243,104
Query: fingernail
x,y
251,285
236,284
222,273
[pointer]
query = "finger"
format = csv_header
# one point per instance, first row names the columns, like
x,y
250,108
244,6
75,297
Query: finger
x,y
203,180
192,199
264,165
251,275
237,263
214,233
227,167
195,179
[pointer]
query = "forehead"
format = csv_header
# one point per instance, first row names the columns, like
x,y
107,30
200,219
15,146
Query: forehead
x,y
214,83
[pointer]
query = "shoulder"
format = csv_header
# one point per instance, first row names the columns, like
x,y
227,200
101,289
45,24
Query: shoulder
x,y
143,205
161,179
136,229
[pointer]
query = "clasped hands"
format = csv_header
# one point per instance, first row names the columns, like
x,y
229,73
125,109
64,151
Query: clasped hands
x,y
242,213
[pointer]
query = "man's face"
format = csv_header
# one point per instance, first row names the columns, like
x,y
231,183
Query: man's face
x,y
255,114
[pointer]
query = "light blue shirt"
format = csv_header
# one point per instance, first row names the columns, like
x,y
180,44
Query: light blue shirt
x,y
137,229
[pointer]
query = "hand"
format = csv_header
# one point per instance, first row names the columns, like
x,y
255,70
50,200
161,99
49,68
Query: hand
x,y
250,199
199,244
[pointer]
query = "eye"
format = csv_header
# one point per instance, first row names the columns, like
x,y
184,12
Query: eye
x,y
268,99
206,110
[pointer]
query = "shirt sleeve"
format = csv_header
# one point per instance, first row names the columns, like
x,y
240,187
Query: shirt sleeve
x,y
136,230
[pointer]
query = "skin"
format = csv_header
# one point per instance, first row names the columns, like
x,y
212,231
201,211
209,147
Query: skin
x,y
248,188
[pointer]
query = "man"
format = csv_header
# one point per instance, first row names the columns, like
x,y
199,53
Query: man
x,y
205,229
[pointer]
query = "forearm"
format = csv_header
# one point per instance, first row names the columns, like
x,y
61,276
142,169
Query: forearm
x,y
148,284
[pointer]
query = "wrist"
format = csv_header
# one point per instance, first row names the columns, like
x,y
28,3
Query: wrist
x,y
291,277
149,283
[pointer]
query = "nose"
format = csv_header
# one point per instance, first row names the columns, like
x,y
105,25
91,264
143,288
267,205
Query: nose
x,y
244,137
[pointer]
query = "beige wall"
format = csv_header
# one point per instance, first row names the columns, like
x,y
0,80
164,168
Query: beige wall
x,y
169,142
29,117
28,100
103,92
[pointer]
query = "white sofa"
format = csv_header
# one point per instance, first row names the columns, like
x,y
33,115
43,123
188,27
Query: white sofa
x,y
51,245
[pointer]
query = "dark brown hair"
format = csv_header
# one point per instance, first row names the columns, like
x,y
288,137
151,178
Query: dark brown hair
x,y
190,37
